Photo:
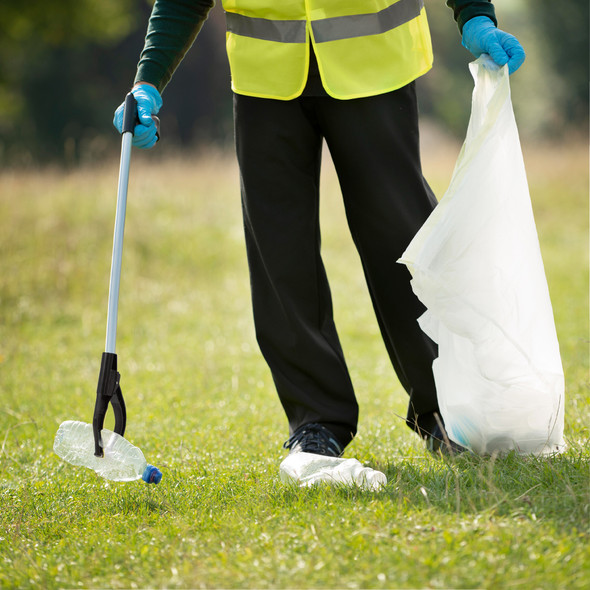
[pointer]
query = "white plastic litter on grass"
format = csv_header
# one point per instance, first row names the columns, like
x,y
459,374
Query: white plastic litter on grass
x,y
308,469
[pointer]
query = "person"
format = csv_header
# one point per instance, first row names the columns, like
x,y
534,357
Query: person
x,y
304,72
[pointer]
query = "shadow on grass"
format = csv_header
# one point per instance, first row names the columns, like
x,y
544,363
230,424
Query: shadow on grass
x,y
521,487
524,488
555,488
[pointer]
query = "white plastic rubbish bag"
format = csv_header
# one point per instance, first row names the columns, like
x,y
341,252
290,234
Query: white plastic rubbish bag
x,y
308,469
476,265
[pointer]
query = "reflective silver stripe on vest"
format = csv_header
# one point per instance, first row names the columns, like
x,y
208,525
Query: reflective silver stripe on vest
x,y
326,29
280,31
362,25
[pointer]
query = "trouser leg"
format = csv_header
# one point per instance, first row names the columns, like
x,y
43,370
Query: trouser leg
x,y
279,148
375,148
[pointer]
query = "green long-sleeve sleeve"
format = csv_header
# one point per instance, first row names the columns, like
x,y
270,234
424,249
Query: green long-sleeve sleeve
x,y
468,9
172,29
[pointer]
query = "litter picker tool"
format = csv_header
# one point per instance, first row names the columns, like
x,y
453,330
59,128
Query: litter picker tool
x,y
109,389
72,440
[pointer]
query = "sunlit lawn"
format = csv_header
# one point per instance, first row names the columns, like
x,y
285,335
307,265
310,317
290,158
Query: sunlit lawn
x,y
201,403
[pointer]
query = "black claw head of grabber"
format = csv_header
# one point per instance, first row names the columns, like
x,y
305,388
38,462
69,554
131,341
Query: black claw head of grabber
x,y
108,390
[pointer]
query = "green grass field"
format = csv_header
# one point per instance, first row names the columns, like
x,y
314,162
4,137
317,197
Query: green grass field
x,y
202,407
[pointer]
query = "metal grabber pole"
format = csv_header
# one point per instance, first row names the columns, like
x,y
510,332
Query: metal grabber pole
x,y
108,389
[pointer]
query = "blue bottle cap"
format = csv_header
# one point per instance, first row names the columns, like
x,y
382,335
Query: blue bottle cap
x,y
151,474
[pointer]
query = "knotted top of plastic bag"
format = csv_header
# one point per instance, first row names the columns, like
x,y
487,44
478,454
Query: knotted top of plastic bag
x,y
476,265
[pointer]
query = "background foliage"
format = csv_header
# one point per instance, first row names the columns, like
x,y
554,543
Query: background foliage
x,y
65,70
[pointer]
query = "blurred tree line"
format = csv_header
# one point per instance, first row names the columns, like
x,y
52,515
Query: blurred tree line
x,y
66,66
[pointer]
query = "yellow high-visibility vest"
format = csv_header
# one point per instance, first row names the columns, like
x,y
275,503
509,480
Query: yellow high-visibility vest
x,y
363,47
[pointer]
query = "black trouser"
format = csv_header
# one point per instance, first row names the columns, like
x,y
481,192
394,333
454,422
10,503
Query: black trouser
x,y
374,146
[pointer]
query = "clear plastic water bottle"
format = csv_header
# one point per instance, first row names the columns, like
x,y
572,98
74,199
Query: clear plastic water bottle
x,y
74,443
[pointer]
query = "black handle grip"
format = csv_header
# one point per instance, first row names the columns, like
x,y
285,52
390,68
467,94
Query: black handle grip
x,y
131,118
129,114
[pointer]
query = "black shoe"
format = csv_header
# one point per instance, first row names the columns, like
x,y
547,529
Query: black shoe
x,y
314,438
438,441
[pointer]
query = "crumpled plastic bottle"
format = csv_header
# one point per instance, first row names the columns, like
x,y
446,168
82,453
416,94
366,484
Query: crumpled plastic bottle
x,y
308,469
74,443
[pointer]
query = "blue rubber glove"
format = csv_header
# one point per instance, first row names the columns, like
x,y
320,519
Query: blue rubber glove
x,y
480,35
149,102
